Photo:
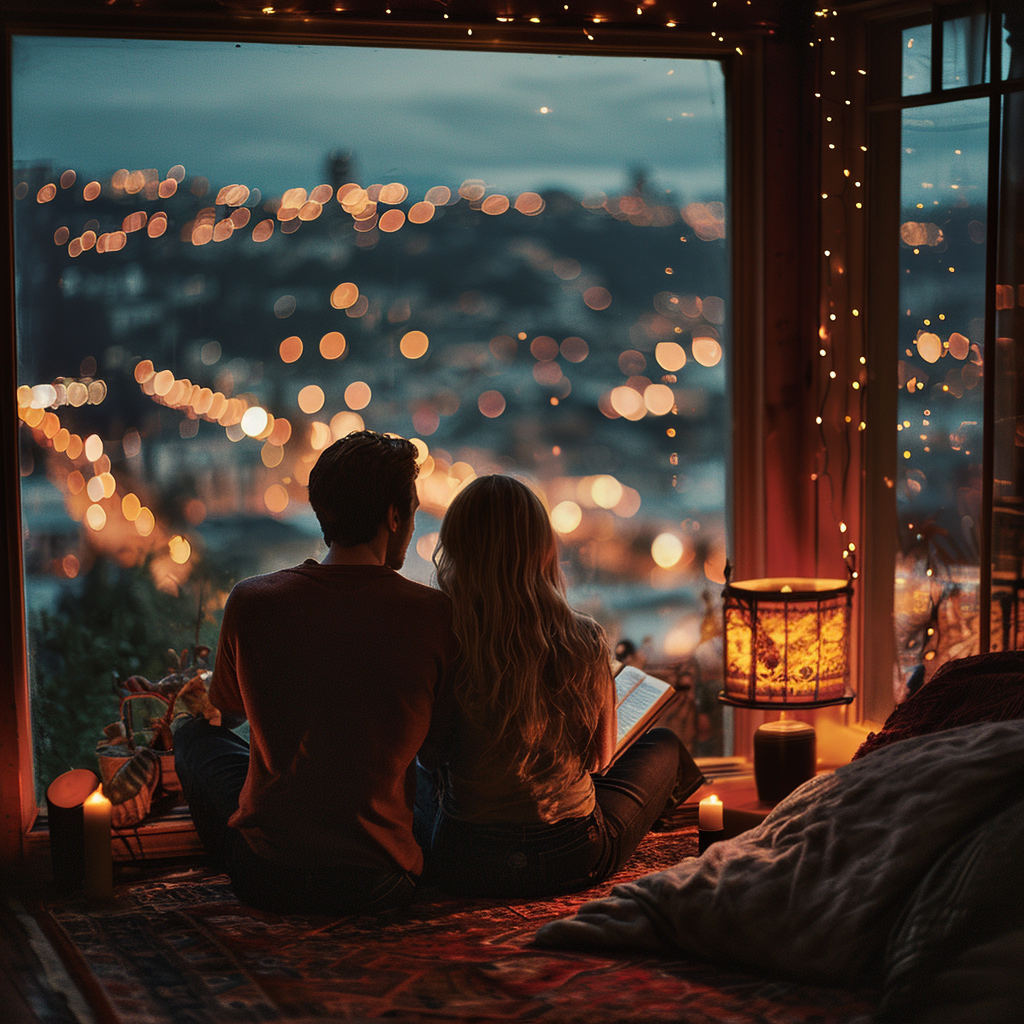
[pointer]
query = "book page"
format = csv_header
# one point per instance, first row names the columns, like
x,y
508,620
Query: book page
x,y
639,697
625,682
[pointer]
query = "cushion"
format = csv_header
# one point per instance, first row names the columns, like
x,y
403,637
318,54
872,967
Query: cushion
x,y
984,688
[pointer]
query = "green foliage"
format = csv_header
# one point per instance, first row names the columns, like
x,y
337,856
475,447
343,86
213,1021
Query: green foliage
x,y
118,625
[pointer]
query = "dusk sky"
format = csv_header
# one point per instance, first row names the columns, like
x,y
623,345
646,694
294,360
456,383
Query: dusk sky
x,y
266,115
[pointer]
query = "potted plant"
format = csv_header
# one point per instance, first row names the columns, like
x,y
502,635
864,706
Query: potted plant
x,y
136,755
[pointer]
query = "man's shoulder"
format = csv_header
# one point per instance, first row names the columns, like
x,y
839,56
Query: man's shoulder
x,y
311,575
429,597
268,586
267,581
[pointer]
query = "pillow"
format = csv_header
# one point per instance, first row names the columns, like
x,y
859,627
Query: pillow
x,y
983,688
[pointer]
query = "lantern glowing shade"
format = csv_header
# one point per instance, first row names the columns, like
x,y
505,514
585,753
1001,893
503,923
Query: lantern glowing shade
x,y
786,646
787,642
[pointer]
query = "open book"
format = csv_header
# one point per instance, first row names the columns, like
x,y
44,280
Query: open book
x,y
638,699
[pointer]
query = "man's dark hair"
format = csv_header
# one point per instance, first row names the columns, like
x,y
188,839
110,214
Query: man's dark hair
x,y
356,481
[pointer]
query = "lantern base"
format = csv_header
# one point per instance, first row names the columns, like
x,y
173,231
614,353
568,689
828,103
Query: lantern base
x,y
774,704
785,756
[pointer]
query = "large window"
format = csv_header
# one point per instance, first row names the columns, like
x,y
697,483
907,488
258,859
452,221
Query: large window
x,y
229,254
951,104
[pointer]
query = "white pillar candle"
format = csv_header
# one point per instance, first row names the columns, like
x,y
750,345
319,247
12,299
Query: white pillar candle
x,y
99,864
709,815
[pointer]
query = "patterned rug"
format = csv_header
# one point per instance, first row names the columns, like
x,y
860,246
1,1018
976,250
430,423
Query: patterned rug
x,y
180,949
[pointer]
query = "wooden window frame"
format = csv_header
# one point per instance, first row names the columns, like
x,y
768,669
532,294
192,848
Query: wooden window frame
x,y
770,280
881,133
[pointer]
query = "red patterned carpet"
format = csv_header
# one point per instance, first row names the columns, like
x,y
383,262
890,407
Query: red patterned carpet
x,y
180,949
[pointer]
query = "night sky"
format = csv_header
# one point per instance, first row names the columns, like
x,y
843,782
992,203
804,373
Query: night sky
x,y
266,115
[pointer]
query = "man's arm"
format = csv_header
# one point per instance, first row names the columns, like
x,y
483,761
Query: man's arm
x,y
225,692
432,753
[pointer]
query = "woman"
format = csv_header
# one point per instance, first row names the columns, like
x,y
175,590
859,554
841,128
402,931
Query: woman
x,y
523,739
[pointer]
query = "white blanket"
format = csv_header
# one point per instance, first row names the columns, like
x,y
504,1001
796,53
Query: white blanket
x,y
815,890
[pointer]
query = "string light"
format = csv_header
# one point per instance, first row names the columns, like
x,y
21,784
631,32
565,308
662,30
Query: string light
x,y
836,178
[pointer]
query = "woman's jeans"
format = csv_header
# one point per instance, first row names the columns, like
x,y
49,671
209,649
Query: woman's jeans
x,y
524,861
212,762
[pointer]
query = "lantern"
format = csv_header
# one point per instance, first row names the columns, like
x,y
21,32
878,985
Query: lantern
x,y
787,645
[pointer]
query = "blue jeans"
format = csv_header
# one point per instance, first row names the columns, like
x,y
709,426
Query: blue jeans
x,y
212,763
527,861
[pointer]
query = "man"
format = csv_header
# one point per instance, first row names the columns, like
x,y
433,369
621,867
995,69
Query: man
x,y
335,665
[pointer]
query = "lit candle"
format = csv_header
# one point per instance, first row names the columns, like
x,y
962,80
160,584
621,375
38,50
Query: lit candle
x,y
99,866
709,816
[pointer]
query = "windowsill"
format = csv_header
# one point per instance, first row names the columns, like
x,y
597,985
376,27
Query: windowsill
x,y
736,788
168,833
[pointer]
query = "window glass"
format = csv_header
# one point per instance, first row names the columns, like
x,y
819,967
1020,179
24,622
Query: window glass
x,y
940,408
1008,396
229,254
1013,50
917,60
965,45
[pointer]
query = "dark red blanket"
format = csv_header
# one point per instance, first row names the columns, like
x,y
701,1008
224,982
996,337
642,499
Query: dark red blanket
x,y
179,949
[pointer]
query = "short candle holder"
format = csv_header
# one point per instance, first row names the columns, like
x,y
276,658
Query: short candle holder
x,y
707,836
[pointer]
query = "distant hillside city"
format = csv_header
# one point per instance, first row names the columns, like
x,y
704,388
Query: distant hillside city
x,y
581,341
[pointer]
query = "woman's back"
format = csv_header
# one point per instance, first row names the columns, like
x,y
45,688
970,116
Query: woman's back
x,y
529,716
534,684
512,777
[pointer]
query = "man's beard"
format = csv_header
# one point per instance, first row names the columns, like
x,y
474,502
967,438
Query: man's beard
x,y
398,544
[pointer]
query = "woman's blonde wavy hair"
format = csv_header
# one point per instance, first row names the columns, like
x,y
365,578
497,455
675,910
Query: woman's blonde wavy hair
x,y
533,672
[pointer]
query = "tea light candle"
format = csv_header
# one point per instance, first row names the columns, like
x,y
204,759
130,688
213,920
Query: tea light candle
x,y
709,815
99,863
709,822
